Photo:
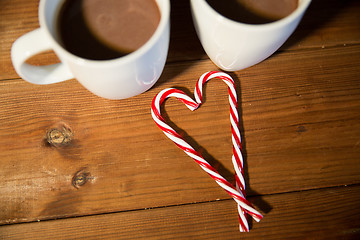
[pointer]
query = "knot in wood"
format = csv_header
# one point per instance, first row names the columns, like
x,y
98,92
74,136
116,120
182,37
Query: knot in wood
x,y
80,178
59,136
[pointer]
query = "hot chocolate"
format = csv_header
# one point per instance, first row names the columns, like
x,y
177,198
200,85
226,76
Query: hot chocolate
x,y
106,29
254,11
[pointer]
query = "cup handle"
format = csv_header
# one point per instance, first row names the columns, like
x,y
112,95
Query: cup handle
x,y
30,44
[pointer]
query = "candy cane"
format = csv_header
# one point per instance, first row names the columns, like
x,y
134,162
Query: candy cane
x,y
236,138
238,192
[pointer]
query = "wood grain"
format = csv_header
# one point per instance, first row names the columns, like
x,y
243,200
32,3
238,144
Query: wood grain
x,y
65,153
316,214
132,165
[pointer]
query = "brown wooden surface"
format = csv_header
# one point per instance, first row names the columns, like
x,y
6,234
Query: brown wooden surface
x,y
300,121
215,220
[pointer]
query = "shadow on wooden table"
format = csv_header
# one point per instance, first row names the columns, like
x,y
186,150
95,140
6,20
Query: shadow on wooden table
x,y
184,44
315,18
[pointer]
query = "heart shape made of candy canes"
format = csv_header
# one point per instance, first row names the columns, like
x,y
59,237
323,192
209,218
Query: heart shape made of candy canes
x,y
237,192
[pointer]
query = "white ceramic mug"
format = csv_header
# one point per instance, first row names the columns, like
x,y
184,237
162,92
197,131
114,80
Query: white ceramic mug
x,y
232,45
119,78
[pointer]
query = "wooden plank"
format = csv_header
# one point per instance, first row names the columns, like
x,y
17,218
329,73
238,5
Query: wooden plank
x,y
316,214
336,23
312,108
332,24
17,18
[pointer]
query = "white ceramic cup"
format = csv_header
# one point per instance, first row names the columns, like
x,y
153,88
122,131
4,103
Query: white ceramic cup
x,y
232,45
119,78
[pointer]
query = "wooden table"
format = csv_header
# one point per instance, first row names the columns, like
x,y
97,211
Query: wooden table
x,y
115,175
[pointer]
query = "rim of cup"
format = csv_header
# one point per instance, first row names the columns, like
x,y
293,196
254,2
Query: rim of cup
x,y
303,4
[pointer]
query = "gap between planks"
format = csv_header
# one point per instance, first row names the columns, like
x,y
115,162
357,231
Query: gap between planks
x,y
184,204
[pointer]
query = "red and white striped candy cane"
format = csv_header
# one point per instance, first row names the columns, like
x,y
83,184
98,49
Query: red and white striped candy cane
x,y
238,192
